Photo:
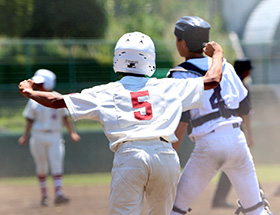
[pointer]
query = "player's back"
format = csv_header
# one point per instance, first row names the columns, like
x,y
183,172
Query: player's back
x,y
230,90
137,107
144,108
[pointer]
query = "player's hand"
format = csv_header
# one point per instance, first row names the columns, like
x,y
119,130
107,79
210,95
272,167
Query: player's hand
x,y
25,87
75,137
22,140
212,48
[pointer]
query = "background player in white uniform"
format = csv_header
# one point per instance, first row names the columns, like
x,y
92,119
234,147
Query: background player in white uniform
x,y
139,117
215,127
46,142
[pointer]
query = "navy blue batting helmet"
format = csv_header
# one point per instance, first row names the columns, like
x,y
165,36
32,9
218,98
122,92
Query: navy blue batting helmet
x,y
195,32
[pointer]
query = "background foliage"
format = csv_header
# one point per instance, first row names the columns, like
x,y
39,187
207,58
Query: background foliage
x,y
67,19
15,17
76,39
106,19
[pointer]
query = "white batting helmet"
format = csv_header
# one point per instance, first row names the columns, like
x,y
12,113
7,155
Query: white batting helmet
x,y
135,53
45,77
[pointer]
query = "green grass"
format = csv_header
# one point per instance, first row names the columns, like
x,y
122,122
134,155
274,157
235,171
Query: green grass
x,y
70,180
266,173
88,179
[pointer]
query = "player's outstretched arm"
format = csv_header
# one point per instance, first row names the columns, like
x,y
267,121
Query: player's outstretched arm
x,y
213,76
48,99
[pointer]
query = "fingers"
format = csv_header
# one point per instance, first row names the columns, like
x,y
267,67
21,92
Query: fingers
x,y
76,138
21,84
211,48
22,141
208,49
26,84
25,87
29,81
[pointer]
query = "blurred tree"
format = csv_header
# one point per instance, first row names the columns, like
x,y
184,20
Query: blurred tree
x,y
127,15
155,18
67,19
15,17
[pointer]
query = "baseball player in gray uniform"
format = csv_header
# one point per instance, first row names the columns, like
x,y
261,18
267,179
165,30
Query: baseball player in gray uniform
x,y
46,142
215,127
139,117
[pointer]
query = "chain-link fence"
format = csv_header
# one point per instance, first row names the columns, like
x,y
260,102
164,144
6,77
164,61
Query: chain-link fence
x,y
80,64
77,64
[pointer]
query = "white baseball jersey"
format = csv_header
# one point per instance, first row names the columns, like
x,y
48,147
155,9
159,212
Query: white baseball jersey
x,y
232,91
137,108
46,143
45,119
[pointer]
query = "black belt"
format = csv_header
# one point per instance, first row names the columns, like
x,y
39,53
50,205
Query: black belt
x,y
47,131
163,140
201,120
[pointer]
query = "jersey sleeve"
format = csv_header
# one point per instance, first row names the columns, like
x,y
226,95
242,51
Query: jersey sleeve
x,y
192,76
29,111
237,83
192,94
63,111
82,105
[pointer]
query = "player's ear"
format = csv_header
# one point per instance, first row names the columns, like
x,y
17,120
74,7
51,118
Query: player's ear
x,y
184,44
181,42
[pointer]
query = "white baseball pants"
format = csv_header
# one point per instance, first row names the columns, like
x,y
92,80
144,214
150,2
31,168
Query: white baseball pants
x,y
149,168
225,149
47,150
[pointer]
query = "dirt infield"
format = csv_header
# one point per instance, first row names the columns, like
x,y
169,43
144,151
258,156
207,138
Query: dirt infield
x,y
94,200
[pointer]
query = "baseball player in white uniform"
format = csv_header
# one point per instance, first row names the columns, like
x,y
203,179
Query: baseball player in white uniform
x,y
215,127
139,117
242,68
46,142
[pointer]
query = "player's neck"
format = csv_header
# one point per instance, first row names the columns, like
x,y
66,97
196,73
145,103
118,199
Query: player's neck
x,y
193,55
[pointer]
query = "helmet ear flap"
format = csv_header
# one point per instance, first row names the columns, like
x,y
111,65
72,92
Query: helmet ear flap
x,y
135,53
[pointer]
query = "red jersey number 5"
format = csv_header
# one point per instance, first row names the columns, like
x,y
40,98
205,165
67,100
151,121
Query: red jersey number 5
x,y
137,104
